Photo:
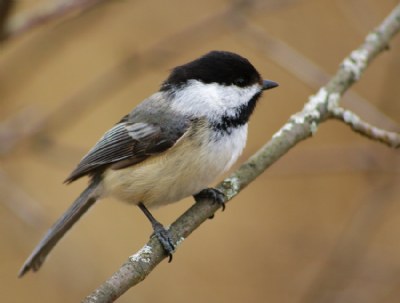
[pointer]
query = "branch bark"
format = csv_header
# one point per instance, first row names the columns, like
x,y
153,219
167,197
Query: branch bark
x,y
389,138
300,126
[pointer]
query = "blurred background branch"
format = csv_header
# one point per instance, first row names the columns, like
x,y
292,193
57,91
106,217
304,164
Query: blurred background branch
x,y
54,11
6,7
20,203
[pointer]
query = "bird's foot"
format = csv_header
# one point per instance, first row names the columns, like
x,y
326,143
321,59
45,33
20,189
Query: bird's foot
x,y
164,236
212,194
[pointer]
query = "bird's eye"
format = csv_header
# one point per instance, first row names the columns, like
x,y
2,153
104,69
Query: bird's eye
x,y
239,82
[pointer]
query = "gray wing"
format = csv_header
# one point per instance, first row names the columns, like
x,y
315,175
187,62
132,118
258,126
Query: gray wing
x,y
128,143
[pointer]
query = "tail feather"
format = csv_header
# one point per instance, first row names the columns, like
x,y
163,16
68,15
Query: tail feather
x,y
86,199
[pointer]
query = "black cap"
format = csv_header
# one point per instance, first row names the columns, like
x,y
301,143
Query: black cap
x,y
220,67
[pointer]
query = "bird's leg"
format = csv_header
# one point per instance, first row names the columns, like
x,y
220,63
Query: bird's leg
x,y
160,232
212,194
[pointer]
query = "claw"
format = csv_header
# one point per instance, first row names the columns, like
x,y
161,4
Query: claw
x,y
213,194
164,237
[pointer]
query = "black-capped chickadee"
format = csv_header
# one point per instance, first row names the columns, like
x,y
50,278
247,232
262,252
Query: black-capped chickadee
x,y
171,146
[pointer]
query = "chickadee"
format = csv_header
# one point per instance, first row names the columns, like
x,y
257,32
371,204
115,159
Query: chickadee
x,y
171,146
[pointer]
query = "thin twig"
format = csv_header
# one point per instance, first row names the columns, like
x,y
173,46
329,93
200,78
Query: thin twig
x,y
391,139
301,126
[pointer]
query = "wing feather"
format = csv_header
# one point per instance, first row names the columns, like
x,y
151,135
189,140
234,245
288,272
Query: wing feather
x,y
126,144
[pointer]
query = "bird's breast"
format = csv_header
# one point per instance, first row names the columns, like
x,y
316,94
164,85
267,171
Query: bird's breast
x,y
188,167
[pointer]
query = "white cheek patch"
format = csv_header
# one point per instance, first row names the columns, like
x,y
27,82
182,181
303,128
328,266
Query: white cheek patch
x,y
212,100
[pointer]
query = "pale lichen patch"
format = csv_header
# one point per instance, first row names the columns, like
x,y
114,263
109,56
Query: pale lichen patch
x,y
350,117
286,128
180,240
317,100
313,128
356,62
231,187
372,38
333,101
143,255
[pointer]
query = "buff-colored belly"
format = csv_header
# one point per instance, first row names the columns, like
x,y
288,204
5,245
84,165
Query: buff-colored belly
x,y
184,170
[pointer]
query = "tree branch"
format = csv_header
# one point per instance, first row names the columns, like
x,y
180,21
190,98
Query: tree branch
x,y
391,139
299,127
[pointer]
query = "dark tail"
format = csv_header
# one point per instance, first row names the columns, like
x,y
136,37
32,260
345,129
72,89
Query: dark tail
x,y
57,231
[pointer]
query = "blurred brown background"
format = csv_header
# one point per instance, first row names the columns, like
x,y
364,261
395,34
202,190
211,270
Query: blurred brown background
x,y
322,225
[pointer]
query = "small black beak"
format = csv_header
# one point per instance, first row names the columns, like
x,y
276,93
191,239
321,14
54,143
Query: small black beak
x,y
267,84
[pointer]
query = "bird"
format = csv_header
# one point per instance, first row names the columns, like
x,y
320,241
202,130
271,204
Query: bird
x,y
172,145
